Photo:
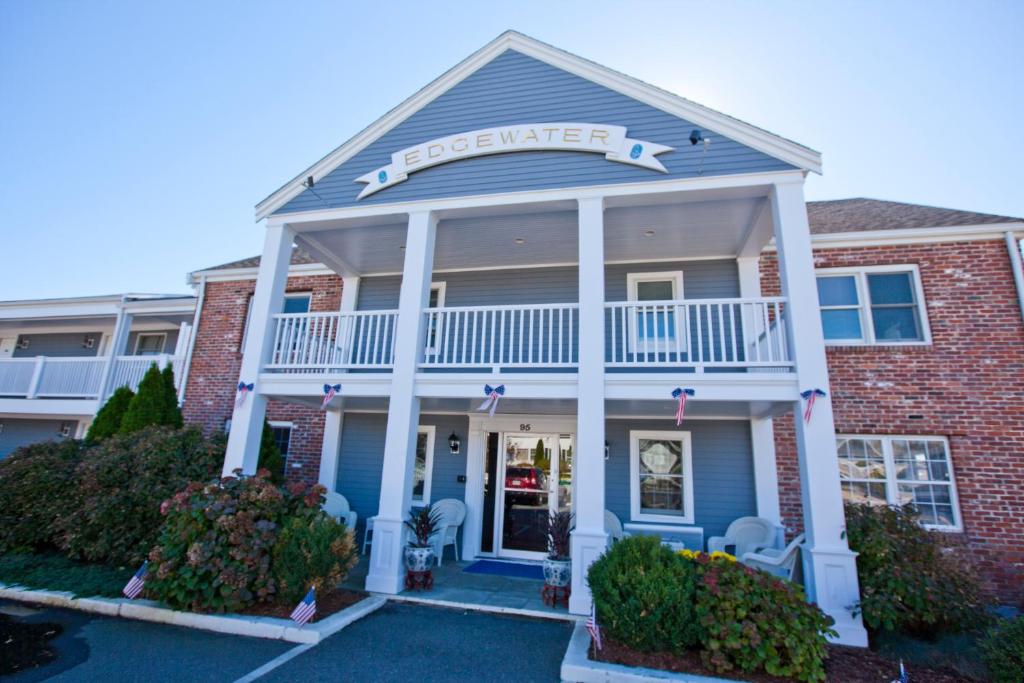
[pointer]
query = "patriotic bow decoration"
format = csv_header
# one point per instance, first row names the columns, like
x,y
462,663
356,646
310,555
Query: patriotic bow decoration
x,y
593,628
493,394
680,395
810,395
133,588
243,391
305,610
330,391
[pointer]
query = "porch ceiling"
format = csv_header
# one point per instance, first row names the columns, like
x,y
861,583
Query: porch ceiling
x,y
543,234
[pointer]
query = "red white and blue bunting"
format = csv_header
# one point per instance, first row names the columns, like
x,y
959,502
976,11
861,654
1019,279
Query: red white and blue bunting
x,y
490,404
810,395
243,391
330,391
680,395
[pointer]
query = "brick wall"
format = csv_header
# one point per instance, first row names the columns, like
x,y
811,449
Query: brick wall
x,y
217,358
968,386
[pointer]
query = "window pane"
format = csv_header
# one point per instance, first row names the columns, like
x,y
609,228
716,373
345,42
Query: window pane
x,y
435,296
662,495
654,290
296,304
660,456
841,324
656,323
420,468
837,291
891,288
151,344
282,438
864,492
899,323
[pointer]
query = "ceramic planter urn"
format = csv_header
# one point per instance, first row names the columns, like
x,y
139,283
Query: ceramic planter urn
x,y
557,573
419,559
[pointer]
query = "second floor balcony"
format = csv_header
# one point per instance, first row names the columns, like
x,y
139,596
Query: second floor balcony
x,y
46,377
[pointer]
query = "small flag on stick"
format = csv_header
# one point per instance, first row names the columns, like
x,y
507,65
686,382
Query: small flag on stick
x,y
904,677
305,610
593,628
133,588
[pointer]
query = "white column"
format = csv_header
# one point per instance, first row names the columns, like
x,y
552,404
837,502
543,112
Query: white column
x,y
247,420
589,538
334,418
832,572
118,346
476,447
386,566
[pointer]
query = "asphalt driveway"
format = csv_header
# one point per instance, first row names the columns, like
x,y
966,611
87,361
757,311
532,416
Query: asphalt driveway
x,y
399,642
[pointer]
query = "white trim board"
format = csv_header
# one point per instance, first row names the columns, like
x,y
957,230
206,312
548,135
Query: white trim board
x,y
699,115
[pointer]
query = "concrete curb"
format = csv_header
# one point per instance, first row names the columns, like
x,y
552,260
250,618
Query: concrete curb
x,y
578,668
234,624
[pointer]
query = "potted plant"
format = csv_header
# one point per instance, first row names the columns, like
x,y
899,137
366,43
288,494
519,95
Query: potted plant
x,y
557,565
419,554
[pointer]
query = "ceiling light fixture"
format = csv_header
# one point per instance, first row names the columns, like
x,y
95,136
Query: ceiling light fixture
x,y
648,233
520,240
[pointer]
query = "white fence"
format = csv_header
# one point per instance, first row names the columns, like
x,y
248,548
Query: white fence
x,y
698,333
48,377
316,342
530,336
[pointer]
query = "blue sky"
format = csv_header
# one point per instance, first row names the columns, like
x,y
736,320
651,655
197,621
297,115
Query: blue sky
x,y
135,137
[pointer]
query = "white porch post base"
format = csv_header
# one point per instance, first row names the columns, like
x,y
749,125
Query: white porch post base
x,y
832,584
587,546
387,568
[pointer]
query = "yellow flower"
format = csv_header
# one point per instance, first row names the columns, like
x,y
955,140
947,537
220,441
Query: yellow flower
x,y
726,556
688,554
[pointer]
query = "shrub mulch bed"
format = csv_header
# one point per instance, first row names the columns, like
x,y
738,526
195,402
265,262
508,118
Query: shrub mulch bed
x,y
326,605
25,646
844,665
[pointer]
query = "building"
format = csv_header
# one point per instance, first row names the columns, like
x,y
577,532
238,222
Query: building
x,y
61,358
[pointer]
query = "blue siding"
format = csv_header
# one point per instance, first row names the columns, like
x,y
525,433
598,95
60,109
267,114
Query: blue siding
x,y
17,433
723,470
513,89
67,344
361,462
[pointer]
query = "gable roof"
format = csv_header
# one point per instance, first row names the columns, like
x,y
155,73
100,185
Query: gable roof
x,y
861,214
756,138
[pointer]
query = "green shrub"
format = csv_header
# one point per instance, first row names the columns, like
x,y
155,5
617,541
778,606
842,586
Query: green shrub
x,y
1002,650
317,552
910,582
753,621
644,596
114,514
214,550
108,420
155,403
37,483
49,571
270,458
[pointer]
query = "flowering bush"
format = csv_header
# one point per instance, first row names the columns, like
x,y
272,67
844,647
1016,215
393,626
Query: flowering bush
x,y
644,595
317,552
908,581
753,621
113,513
36,483
214,551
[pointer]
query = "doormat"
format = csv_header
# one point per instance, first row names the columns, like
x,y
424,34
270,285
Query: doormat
x,y
518,570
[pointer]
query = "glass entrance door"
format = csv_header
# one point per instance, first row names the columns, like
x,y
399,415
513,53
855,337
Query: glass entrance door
x,y
536,479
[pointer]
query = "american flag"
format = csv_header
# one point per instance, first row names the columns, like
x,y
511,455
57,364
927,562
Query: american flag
x,y
133,588
305,610
904,677
593,628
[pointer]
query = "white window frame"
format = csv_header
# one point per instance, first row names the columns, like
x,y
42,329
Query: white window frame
x,y
140,335
892,483
681,313
248,312
441,288
428,465
867,323
636,515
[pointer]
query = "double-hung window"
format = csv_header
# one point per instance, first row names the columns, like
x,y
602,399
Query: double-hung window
x,y
661,477
872,305
901,470
424,467
657,322
150,344
293,303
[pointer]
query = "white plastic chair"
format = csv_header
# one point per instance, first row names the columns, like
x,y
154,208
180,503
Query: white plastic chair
x,y
613,527
449,513
782,563
746,535
336,505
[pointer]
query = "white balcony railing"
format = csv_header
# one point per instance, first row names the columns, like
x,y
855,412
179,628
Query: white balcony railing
x,y
54,377
698,333
317,342
529,336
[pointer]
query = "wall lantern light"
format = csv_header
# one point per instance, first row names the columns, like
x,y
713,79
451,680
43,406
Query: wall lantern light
x,y
696,136
88,342
22,343
454,443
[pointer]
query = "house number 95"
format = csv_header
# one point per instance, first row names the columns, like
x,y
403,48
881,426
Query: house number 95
x,y
525,427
